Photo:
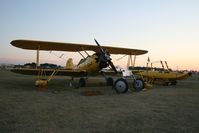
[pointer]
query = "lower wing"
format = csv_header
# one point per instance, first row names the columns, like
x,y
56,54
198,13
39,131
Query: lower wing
x,y
59,72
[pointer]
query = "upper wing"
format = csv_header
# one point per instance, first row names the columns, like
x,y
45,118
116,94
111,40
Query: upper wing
x,y
72,47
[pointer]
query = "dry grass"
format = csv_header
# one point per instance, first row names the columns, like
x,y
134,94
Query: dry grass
x,y
63,109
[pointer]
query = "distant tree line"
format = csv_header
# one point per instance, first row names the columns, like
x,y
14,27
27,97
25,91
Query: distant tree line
x,y
147,68
43,66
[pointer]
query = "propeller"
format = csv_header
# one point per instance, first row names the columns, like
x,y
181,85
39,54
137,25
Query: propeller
x,y
105,57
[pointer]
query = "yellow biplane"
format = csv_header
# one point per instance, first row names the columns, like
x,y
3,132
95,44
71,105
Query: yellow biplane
x,y
162,75
90,65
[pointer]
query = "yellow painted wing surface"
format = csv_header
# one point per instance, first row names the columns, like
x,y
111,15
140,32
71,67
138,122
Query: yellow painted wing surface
x,y
163,75
62,72
72,47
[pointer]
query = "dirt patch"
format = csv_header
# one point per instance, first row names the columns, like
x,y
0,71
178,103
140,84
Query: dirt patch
x,y
92,93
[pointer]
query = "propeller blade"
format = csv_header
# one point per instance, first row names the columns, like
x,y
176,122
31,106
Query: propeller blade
x,y
101,49
112,66
106,56
97,42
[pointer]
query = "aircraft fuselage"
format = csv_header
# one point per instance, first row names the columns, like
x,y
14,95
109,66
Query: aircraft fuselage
x,y
89,64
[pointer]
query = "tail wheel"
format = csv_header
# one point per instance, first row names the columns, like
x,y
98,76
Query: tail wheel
x,y
138,84
82,82
121,86
109,81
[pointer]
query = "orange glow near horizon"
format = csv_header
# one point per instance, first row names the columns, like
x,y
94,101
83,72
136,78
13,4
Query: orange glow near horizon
x,y
46,57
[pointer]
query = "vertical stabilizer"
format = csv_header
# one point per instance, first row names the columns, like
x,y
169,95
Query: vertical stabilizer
x,y
69,64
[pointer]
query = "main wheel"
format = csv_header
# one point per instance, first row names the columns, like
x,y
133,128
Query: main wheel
x,y
82,82
138,84
109,81
121,86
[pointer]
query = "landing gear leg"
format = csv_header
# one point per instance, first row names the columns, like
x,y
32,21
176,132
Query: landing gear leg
x,y
82,82
109,81
70,83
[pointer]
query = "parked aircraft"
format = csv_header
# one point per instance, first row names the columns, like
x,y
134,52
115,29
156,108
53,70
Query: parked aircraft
x,y
87,66
164,75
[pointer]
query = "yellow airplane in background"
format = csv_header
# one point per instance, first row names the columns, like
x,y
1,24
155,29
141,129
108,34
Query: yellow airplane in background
x,y
87,66
163,75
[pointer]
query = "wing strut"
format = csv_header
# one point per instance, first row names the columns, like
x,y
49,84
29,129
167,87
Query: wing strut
x,y
130,61
84,51
37,58
81,54
134,60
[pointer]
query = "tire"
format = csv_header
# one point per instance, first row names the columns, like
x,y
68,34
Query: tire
x,y
138,85
121,86
109,81
82,82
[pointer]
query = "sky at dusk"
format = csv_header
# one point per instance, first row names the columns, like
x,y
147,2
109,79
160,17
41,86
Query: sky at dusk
x,y
168,29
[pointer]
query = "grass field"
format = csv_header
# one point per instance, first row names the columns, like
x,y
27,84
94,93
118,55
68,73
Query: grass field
x,y
163,109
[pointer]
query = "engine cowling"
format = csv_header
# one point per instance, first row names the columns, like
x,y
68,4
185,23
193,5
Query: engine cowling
x,y
102,61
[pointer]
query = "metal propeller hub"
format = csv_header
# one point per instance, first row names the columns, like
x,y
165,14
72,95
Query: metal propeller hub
x,y
104,58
